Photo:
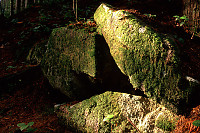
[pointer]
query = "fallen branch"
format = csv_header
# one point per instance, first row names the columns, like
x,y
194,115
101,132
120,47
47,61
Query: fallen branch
x,y
133,125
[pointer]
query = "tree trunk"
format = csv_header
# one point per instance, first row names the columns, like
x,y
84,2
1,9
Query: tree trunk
x,y
18,6
30,2
2,7
26,2
12,7
41,1
76,10
22,4
191,9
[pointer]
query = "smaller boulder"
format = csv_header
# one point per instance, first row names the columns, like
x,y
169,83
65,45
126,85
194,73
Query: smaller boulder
x,y
116,112
69,62
36,53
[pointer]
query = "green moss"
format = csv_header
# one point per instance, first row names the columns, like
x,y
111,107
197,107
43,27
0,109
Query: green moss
x,y
69,53
166,124
88,115
150,59
36,53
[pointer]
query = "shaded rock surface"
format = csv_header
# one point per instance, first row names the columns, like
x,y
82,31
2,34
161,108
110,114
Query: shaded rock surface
x,y
80,64
36,53
149,59
69,61
89,115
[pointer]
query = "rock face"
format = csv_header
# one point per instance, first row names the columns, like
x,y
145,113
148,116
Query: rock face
x,y
135,58
132,57
36,53
79,64
149,59
90,115
69,61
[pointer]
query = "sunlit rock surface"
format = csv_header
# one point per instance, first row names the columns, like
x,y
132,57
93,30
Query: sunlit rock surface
x,y
89,115
134,60
148,58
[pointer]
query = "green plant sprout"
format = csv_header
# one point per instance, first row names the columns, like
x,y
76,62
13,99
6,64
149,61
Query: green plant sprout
x,y
182,20
150,15
11,67
108,118
26,128
196,123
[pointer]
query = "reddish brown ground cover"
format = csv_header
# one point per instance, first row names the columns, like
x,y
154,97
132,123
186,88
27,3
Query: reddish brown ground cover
x,y
26,95
31,102
185,125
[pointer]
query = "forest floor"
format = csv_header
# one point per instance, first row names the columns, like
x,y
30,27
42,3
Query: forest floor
x,y
26,95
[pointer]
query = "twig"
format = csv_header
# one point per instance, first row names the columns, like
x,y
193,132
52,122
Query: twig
x,y
133,124
192,37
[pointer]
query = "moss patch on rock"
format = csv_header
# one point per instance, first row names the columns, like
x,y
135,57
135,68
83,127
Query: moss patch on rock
x,y
69,61
89,115
163,122
148,58
36,53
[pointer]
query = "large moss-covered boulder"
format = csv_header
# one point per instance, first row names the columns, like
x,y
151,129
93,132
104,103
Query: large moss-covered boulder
x,y
79,64
148,58
116,112
69,62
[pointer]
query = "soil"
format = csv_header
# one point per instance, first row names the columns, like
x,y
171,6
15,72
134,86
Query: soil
x,y
29,98
26,96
